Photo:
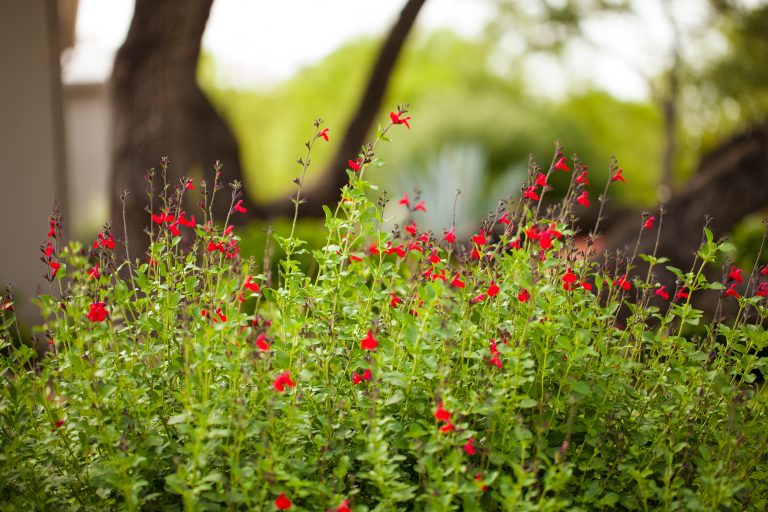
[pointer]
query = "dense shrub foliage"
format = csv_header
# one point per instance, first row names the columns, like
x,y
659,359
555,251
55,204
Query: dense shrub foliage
x,y
402,371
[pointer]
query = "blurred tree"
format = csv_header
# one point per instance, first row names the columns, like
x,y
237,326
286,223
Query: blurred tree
x,y
159,109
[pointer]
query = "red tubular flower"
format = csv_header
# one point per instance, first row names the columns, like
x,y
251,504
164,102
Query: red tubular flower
x,y
541,180
562,166
495,361
530,193
411,228
48,249
353,258
735,274
228,230
515,244
397,118
433,257
504,219
159,219
475,254
420,207
618,176
583,199
282,502
442,414
174,229
662,293
448,427
190,223
545,240
356,378
586,285
682,294
479,298
441,276
648,224
367,374
762,290
324,134
189,185
399,250
344,507
395,300
764,272
221,315
283,380
55,266
97,312
57,425
480,238
532,233
450,236
355,165
262,343
569,279
239,207
94,272
582,179
369,342
623,283
524,295
457,283
469,446
731,292
103,241
404,200
493,290
250,284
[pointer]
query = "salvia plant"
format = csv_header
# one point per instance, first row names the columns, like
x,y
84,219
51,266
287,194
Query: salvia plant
x,y
404,370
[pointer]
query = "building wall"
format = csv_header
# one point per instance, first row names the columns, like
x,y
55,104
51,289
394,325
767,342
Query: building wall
x,y
32,159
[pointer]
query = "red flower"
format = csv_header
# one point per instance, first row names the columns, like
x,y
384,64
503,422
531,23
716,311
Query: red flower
x,y
159,219
399,250
450,236
515,244
174,229
764,272
188,185
458,283
562,166
94,272
530,193
532,233
250,284
524,295
55,266
190,223
356,378
220,314
735,274
762,290
541,180
648,224
480,238
239,207
479,480
369,342
355,165
545,240
731,292
344,507
569,279
373,249
97,313
420,206
442,414
262,343
475,253
448,427
353,258
397,119
48,249
586,285
623,283
411,228
433,257
367,374
395,300
493,290
469,446
435,276
682,294
404,200
324,134
583,199
618,176
228,230
281,381
582,179
504,219
109,243
662,293
479,298
282,502
57,424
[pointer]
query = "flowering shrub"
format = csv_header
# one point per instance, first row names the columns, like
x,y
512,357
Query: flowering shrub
x,y
407,371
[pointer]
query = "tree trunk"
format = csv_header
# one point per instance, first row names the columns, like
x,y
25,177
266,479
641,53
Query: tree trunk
x,y
160,110
729,184
327,191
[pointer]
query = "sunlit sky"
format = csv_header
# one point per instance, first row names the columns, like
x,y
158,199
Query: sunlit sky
x,y
258,44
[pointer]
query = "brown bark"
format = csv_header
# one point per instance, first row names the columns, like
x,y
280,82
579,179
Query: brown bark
x,y
327,190
728,185
160,110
